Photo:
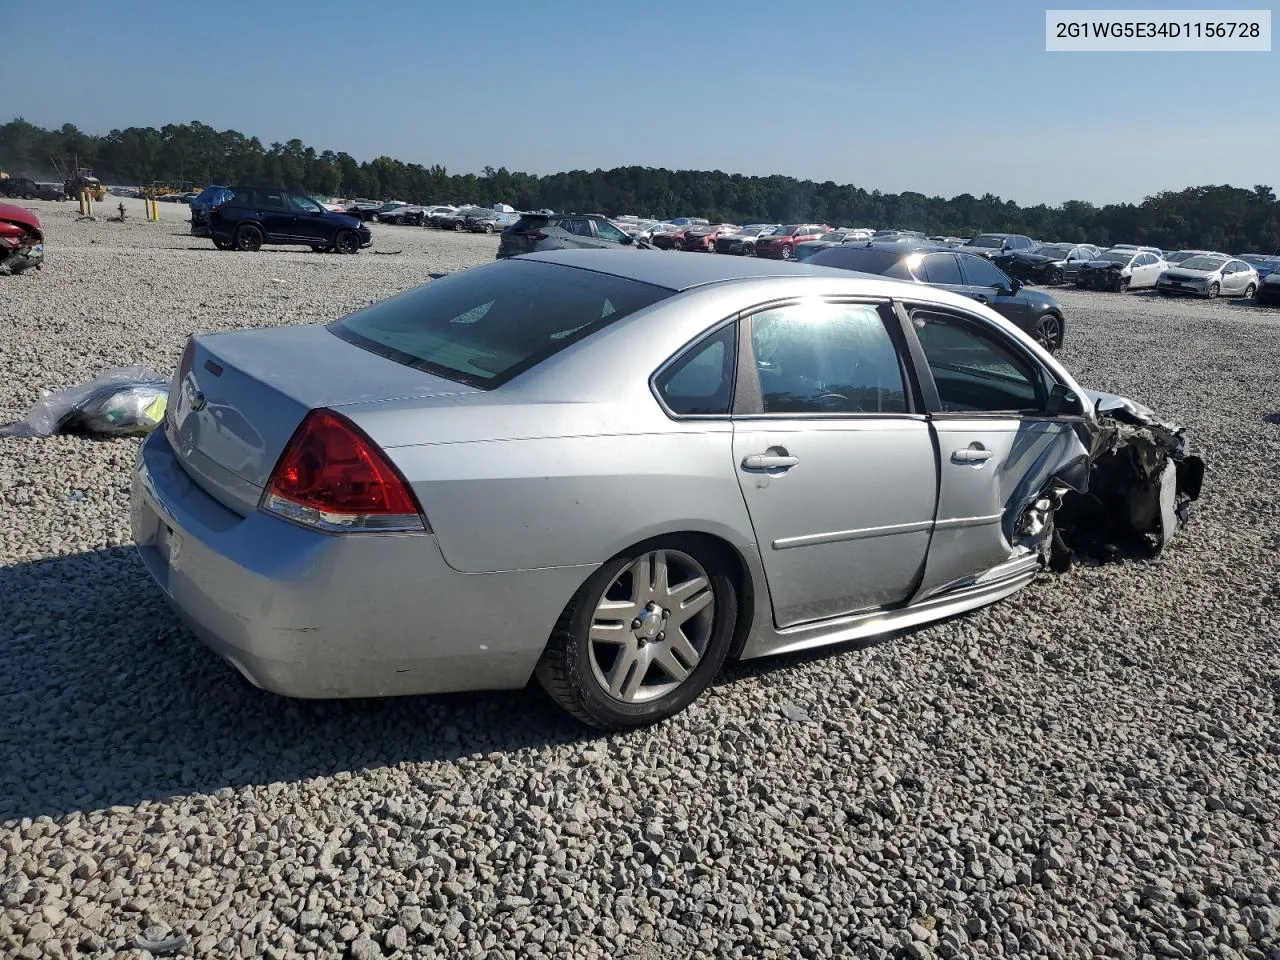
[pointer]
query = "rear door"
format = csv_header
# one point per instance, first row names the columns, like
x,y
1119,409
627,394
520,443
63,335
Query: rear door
x,y
578,233
276,214
943,270
836,466
997,446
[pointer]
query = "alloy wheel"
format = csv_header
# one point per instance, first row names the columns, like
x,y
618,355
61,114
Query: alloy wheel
x,y
652,626
1048,330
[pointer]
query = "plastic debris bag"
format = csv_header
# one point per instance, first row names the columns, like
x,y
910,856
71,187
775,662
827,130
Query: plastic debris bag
x,y
118,402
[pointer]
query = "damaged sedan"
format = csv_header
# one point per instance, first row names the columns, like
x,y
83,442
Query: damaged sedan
x,y
21,240
613,472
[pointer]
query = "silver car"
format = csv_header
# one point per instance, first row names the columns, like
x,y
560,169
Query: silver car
x,y
1210,276
614,471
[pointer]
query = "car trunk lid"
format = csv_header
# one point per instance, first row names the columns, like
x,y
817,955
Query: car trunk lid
x,y
239,397
523,235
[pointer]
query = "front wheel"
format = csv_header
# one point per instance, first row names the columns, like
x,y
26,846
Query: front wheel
x,y
1057,277
787,253
488,228
458,228
1048,332
1123,286
223,244
1250,290
644,636
1214,290
346,242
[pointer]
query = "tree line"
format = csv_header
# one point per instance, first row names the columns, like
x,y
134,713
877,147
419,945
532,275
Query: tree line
x,y
1215,217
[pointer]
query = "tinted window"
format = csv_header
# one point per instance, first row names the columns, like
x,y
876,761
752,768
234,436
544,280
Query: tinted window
x,y
270,198
862,259
972,369
701,381
607,231
579,227
826,358
980,273
941,268
485,325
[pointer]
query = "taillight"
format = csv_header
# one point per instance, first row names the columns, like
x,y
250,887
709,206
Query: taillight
x,y
538,235
331,476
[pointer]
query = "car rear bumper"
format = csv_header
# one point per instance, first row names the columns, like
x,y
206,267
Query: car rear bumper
x,y
312,615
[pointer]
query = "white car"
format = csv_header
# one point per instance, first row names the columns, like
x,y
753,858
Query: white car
x,y
1121,268
1211,276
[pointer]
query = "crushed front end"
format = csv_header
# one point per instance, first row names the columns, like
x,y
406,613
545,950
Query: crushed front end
x,y
21,240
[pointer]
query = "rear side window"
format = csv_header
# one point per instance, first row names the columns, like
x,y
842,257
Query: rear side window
x,y
485,325
830,358
942,268
700,383
529,222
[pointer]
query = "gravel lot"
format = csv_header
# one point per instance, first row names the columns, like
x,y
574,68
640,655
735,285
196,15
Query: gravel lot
x,y
1089,769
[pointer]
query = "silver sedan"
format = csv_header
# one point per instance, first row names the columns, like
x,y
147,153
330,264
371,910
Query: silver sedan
x,y
614,471
1210,275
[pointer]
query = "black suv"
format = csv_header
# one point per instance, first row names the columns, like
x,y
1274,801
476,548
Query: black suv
x,y
257,215
961,272
24,188
994,244
562,231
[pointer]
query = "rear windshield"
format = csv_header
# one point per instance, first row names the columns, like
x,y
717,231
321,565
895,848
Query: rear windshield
x,y
485,325
885,263
986,240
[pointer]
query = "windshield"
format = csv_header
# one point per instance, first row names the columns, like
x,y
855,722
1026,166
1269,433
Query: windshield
x,y
1057,251
986,241
1118,256
485,325
835,236
1202,263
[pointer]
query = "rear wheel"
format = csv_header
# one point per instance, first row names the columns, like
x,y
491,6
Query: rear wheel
x,y
346,242
1048,331
1214,290
249,237
644,636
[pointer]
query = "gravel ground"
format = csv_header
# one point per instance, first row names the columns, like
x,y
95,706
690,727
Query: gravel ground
x,y
1089,769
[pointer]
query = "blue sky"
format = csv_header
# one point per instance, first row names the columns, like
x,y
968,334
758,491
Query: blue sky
x,y
942,97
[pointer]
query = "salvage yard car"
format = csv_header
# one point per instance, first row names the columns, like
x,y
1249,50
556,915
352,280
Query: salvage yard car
x,y
994,244
615,471
21,240
1120,269
743,243
573,231
1050,263
781,244
1210,276
257,215
1037,314
1268,292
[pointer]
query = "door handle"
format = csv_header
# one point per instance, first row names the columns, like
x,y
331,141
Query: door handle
x,y
971,455
981,298
765,461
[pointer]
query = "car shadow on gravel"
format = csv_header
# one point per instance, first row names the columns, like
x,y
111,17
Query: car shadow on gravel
x,y
107,699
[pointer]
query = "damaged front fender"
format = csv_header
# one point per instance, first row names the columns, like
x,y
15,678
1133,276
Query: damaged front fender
x,y
1143,479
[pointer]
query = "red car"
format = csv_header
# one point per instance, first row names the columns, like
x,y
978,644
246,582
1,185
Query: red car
x,y
670,241
21,240
782,244
702,239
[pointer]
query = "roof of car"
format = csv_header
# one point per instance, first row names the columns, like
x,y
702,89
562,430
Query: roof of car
x,y
679,272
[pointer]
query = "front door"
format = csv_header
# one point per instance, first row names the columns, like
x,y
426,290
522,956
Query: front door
x,y
990,285
997,446
309,220
838,475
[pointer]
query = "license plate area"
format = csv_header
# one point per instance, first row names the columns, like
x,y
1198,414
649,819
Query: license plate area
x,y
168,543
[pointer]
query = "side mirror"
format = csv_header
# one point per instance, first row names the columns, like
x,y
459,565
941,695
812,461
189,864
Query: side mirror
x,y
1063,402
1014,286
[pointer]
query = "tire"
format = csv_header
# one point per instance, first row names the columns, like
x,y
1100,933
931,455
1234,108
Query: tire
x,y
1214,290
577,670
787,253
1124,285
224,244
248,238
458,227
346,242
1057,277
488,228
1250,290
322,248
1048,331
